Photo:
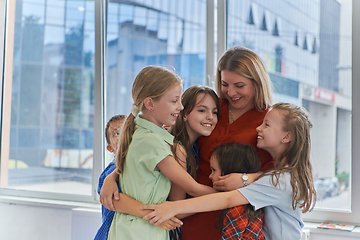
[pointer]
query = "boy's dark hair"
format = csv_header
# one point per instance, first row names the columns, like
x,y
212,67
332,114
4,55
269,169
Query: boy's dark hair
x,y
237,158
119,117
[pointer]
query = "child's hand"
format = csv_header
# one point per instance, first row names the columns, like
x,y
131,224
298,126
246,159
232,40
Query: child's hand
x,y
161,213
234,181
171,224
229,182
109,191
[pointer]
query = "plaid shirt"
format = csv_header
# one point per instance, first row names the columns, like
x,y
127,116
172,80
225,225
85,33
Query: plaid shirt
x,y
237,226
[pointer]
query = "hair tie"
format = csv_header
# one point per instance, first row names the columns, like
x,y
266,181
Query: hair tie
x,y
135,110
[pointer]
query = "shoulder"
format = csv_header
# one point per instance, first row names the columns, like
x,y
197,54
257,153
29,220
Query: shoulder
x,y
147,138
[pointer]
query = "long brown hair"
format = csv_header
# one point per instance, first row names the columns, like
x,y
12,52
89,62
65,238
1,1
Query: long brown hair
x,y
153,82
188,100
296,121
237,158
248,64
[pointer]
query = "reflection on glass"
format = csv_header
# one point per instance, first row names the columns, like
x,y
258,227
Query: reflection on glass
x,y
307,51
152,34
52,104
33,10
75,11
55,12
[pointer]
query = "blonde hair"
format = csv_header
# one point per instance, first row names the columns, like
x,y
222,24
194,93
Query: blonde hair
x,y
296,121
188,100
248,64
153,82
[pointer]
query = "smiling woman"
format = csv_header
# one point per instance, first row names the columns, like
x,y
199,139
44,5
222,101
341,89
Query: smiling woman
x,y
244,88
239,92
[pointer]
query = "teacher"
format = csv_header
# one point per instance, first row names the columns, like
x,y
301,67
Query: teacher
x,y
244,88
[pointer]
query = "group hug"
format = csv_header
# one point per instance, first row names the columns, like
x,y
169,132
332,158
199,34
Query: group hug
x,y
209,165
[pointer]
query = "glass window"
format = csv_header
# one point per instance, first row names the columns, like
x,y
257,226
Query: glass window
x,y
316,75
52,99
55,12
50,122
149,35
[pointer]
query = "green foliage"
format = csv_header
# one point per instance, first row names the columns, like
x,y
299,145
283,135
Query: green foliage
x,y
343,178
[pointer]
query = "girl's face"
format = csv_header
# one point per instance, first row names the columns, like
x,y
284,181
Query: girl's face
x,y
215,169
238,90
271,136
167,108
202,120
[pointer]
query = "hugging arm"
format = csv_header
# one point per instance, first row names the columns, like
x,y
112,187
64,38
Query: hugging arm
x,y
172,170
234,181
109,191
131,206
115,201
176,192
210,202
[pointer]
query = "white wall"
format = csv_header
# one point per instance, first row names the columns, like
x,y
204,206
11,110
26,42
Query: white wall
x,y
44,221
36,222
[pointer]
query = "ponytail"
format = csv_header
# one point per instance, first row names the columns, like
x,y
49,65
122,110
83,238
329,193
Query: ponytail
x,y
125,140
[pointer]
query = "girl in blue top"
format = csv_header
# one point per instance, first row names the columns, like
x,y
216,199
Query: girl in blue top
x,y
284,192
144,159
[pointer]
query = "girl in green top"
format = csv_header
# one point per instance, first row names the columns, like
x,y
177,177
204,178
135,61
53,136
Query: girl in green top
x,y
144,158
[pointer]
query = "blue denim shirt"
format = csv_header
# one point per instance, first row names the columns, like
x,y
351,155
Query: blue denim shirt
x,y
107,215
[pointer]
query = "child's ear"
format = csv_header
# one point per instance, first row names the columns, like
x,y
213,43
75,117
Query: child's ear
x,y
149,103
185,118
286,138
109,148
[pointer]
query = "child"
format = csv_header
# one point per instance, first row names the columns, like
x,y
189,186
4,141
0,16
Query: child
x,y
144,157
198,118
283,192
240,222
112,134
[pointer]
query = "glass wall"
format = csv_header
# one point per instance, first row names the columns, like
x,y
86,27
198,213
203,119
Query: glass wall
x,y
48,131
52,101
141,33
306,46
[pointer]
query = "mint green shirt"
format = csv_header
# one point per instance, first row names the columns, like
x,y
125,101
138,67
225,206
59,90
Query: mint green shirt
x,y
143,181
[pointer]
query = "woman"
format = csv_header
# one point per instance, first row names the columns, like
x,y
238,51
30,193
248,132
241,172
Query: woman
x,y
244,88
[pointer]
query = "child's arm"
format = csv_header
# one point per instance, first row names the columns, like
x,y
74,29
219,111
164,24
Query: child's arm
x,y
109,191
210,202
234,181
176,192
172,170
131,206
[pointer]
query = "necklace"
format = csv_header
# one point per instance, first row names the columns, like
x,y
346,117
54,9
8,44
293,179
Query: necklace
x,y
231,118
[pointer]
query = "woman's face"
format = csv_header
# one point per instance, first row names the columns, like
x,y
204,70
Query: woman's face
x,y
202,120
238,90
